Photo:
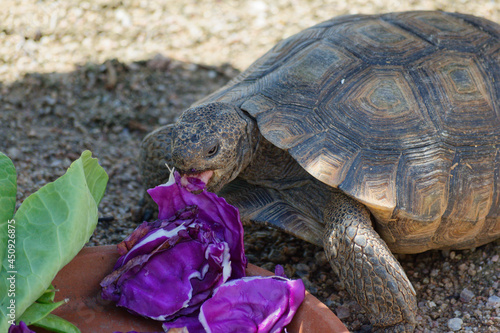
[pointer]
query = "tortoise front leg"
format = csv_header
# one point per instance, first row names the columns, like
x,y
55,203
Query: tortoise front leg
x,y
155,152
368,269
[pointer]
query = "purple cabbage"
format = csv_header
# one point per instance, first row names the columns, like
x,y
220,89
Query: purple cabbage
x,y
253,304
135,332
21,328
169,267
175,269
213,211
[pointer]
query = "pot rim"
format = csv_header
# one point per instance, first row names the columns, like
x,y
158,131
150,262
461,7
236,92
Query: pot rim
x,y
79,281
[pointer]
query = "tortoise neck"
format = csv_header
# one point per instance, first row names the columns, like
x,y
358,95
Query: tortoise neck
x,y
273,167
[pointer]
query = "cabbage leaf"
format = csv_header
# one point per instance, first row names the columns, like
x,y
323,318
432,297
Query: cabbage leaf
x,y
51,227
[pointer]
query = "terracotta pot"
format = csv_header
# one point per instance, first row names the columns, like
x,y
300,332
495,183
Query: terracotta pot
x,y
79,282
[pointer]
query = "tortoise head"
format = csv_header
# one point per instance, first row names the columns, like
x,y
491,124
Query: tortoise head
x,y
213,142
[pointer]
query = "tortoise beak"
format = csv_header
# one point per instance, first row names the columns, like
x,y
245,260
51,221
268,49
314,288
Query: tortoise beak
x,y
196,181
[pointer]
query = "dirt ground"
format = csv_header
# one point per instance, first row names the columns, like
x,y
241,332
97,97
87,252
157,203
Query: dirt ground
x,y
101,74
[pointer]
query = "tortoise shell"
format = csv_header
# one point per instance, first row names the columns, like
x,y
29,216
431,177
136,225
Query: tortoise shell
x,y
400,111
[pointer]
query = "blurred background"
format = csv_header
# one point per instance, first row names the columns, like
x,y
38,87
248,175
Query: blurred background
x,y
46,36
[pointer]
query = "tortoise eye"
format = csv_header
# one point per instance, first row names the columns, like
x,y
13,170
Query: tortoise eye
x,y
213,151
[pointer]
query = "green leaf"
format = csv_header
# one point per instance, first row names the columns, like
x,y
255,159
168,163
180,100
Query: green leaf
x,y
37,311
57,324
96,177
52,226
48,296
8,190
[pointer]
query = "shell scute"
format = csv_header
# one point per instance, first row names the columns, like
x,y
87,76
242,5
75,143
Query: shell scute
x,y
472,184
375,39
422,182
380,109
461,99
372,180
445,30
327,156
495,206
304,125
303,79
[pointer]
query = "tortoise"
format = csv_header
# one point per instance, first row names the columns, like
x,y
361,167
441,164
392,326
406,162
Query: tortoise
x,y
365,134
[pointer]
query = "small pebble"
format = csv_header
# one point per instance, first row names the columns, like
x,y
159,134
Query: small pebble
x,y
493,302
159,62
13,153
302,270
311,287
343,312
212,74
466,295
455,324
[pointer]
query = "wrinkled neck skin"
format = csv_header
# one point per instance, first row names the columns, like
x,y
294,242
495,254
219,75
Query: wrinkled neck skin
x,y
248,147
266,165
273,167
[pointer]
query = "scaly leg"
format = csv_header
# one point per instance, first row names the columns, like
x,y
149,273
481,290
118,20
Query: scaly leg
x,y
155,152
368,269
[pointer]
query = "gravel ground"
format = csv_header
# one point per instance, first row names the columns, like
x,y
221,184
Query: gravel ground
x,y
100,74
